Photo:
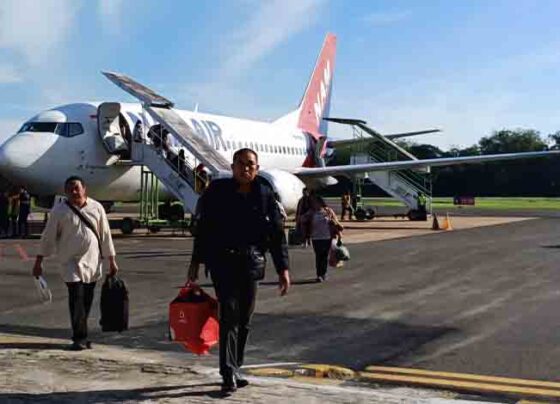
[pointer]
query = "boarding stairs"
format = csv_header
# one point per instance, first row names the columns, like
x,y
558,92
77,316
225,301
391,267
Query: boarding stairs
x,y
409,185
177,174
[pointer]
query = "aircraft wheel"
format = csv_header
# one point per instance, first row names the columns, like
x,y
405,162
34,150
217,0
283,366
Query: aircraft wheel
x,y
360,214
127,226
370,213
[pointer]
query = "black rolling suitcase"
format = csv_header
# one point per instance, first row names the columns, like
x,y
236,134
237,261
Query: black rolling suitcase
x,y
114,305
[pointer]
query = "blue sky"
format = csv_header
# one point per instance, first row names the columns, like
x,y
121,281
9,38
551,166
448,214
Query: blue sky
x,y
468,67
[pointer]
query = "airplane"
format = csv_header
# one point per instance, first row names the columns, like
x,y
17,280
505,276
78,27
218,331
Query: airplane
x,y
94,140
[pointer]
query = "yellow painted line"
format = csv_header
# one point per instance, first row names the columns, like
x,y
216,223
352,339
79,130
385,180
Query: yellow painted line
x,y
270,372
464,376
458,384
328,371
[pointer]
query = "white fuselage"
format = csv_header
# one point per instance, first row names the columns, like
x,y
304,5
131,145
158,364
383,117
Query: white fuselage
x,y
45,152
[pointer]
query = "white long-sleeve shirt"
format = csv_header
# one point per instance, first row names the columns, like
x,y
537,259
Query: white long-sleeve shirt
x,y
75,244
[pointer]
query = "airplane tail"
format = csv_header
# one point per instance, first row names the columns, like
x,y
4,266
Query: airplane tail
x,y
316,101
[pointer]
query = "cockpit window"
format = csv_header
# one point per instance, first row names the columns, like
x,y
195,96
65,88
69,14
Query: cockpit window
x,y
62,129
75,129
38,127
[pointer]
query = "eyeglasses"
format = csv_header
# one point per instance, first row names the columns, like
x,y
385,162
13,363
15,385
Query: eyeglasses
x,y
248,164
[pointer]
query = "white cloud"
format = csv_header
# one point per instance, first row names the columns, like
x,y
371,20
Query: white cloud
x,y
34,29
272,23
387,17
110,13
9,75
269,24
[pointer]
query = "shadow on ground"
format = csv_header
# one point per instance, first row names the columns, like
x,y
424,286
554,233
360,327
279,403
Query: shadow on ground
x,y
150,394
298,337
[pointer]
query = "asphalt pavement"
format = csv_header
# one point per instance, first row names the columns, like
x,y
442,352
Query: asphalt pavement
x,y
481,301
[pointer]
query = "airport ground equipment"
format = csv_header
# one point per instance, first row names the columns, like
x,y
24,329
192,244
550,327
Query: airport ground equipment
x,y
411,187
154,215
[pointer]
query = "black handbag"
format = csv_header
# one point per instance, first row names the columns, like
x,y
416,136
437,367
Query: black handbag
x,y
256,263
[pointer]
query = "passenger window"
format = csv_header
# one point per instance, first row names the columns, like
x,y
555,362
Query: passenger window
x,y
228,144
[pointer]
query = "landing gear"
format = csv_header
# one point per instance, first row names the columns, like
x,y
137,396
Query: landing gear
x,y
127,225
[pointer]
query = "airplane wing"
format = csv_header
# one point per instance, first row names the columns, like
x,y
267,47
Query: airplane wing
x,y
375,135
309,172
341,143
407,134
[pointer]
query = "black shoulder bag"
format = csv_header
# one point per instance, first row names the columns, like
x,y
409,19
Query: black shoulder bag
x,y
89,224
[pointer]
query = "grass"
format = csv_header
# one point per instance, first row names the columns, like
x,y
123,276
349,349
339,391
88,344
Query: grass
x,y
507,203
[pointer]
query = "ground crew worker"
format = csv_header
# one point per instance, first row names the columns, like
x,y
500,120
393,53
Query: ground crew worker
x,y
78,232
24,210
13,213
4,220
346,206
238,220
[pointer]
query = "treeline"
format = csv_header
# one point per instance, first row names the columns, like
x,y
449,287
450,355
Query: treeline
x,y
530,177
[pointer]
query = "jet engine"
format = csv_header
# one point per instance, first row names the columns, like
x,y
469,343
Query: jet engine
x,y
287,187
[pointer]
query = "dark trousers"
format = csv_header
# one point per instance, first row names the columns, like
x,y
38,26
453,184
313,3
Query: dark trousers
x,y
321,249
23,226
343,211
13,226
4,223
236,293
80,297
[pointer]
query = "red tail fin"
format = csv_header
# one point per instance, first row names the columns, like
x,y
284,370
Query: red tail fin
x,y
317,98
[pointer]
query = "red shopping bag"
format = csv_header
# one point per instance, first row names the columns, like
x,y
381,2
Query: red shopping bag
x,y
193,319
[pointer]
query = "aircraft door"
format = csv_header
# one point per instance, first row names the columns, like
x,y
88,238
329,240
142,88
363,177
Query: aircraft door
x,y
112,128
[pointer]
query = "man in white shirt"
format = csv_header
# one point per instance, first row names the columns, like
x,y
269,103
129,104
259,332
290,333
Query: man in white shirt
x,y
78,233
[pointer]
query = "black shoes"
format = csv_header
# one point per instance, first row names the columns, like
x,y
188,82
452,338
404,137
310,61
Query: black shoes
x,y
231,383
240,381
228,384
80,346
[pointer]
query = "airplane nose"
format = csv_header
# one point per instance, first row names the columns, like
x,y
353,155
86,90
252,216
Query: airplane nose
x,y
8,159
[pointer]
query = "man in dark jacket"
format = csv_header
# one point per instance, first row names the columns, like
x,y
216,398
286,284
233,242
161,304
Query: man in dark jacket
x,y
238,221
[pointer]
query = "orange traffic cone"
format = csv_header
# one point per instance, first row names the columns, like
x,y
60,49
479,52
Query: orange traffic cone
x,y
448,222
435,223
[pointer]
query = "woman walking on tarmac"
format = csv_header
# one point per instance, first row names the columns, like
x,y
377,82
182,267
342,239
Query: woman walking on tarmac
x,y
324,228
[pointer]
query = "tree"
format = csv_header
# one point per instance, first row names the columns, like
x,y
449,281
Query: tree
x,y
512,141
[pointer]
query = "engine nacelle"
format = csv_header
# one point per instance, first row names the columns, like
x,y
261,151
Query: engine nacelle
x,y
287,186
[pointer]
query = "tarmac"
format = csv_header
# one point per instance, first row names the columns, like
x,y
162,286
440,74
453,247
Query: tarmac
x,y
449,316
36,369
